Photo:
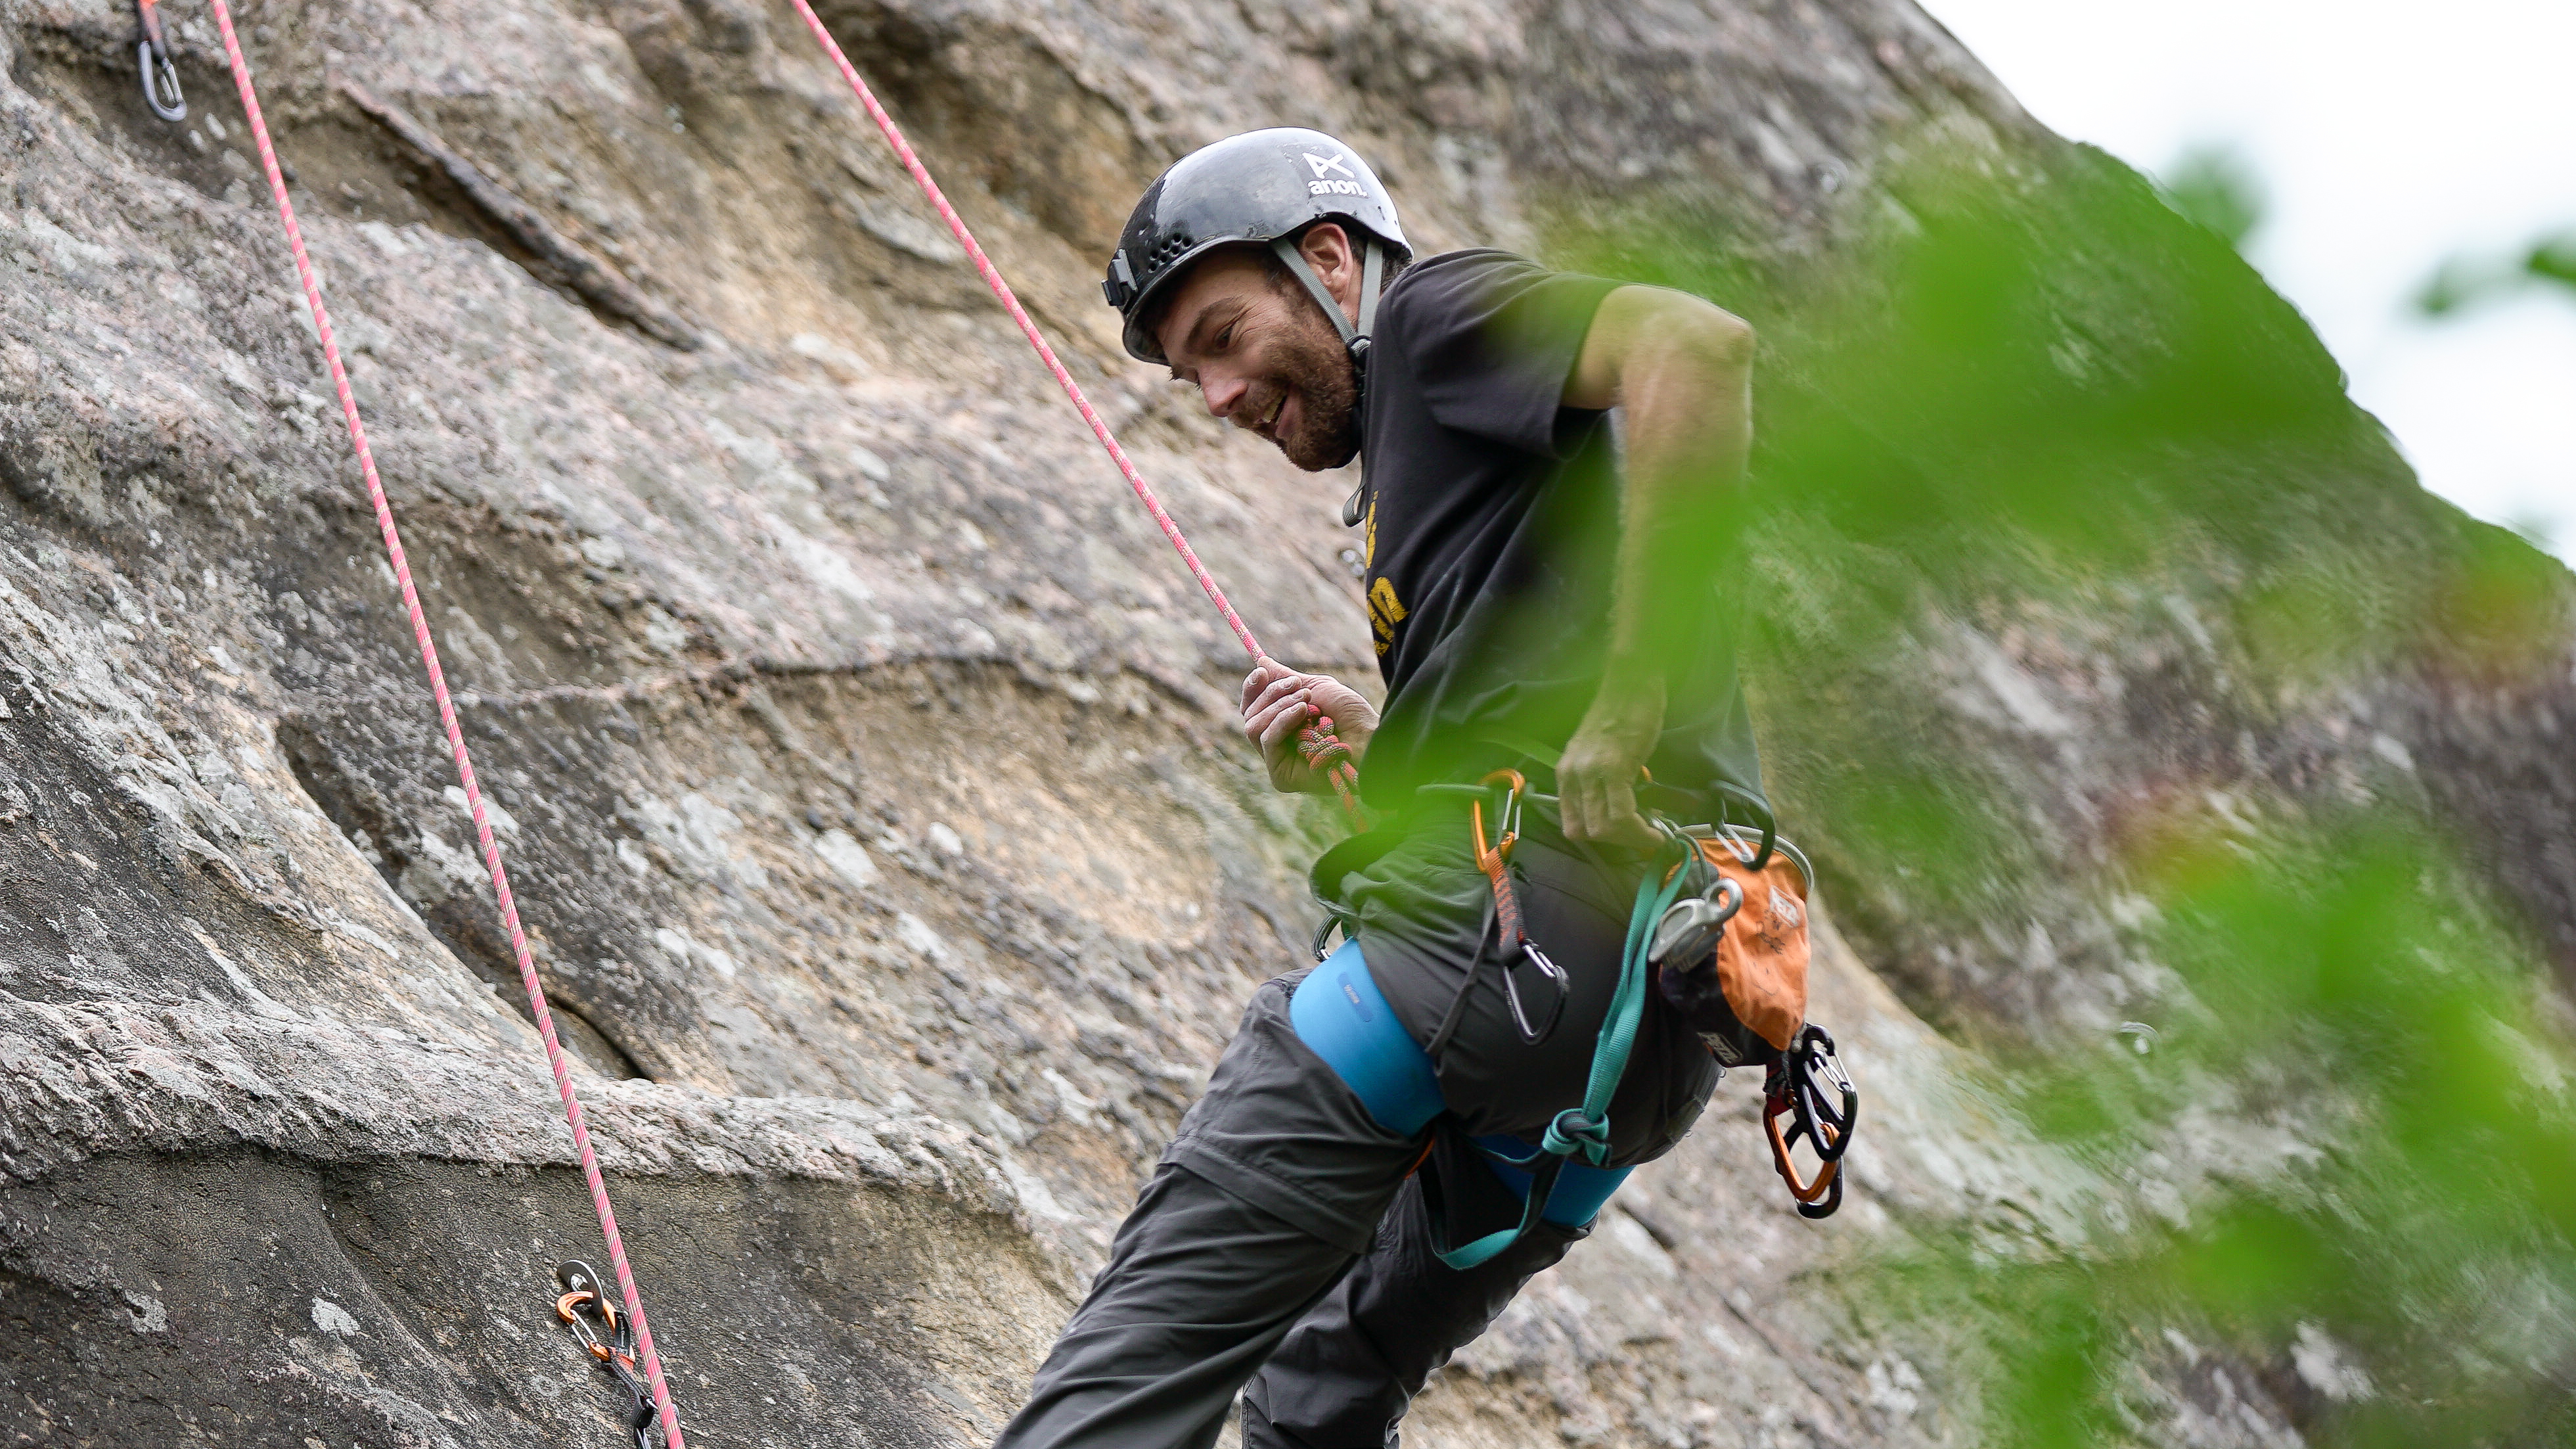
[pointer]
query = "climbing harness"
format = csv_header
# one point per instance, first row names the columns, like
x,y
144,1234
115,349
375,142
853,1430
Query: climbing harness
x,y
1737,978
1323,753
577,1306
1584,1129
666,1412
152,57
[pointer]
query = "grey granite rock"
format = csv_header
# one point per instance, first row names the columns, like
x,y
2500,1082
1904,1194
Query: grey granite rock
x,y
861,754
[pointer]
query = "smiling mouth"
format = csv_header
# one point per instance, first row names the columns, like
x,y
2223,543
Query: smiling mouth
x,y
1271,417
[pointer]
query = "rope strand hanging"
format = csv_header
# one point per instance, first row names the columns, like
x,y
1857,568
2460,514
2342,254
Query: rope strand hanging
x,y
669,1412
1326,754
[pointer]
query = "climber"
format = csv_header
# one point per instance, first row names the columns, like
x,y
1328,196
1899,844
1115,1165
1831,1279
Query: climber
x,y
1543,591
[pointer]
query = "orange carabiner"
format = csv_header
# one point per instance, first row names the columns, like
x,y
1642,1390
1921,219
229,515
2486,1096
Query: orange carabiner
x,y
1806,1192
1492,859
567,1308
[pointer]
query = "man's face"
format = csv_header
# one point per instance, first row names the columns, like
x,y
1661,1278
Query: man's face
x,y
1262,354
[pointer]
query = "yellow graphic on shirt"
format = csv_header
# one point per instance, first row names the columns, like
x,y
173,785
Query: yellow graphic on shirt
x,y
1368,539
1385,612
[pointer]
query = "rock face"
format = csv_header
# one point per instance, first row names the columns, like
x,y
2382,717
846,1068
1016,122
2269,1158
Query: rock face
x,y
862,756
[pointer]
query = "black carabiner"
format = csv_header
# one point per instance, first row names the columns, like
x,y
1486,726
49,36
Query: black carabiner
x,y
1512,992
152,57
1790,1090
1813,1058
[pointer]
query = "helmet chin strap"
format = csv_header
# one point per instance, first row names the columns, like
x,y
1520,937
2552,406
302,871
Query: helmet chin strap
x,y
1372,276
1356,338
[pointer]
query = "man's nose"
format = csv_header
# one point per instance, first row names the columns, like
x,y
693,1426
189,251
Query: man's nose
x,y
1223,394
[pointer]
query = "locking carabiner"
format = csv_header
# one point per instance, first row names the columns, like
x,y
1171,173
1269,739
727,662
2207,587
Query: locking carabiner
x,y
152,57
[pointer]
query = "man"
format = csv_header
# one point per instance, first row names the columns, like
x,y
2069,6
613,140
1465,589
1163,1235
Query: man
x,y
1535,586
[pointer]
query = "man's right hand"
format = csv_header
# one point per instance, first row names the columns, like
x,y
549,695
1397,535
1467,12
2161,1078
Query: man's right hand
x,y
1278,704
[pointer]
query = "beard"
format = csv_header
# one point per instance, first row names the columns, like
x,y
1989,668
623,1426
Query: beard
x,y
1314,368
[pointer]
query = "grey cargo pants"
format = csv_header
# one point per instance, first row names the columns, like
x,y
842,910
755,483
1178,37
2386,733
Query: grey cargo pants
x,y
1281,1247
1327,1325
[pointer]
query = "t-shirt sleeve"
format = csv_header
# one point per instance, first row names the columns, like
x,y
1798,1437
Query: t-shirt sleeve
x,y
1490,339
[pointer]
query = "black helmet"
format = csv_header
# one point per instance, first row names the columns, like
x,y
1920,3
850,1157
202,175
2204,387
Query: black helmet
x,y
1261,186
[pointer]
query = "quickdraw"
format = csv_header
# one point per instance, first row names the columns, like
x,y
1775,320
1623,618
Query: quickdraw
x,y
152,56
580,1302
667,1412
1495,862
1790,1088
1584,1130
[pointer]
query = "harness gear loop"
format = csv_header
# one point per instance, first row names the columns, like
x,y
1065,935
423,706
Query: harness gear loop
x,y
617,1352
1072,390
152,58
666,1412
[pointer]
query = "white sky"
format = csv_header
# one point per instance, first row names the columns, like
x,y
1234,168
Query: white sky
x,y
2389,136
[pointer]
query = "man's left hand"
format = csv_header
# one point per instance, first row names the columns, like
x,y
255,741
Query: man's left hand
x,y
1596,780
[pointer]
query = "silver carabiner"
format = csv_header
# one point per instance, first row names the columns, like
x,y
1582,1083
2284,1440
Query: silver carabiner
x,y
152,58
1691,925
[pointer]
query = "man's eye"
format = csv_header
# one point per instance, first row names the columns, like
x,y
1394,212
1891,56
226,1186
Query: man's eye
x,y
1225,339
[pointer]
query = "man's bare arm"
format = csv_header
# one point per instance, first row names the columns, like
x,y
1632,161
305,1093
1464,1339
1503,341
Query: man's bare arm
x,y
1680,369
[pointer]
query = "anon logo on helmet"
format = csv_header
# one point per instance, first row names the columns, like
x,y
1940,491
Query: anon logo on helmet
x,y
1326,184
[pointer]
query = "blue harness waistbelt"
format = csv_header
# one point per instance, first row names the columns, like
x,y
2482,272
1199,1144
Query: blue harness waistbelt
x,y
1340,1014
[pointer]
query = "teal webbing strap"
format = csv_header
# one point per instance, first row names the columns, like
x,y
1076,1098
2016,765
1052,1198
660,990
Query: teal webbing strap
x,y
1618,1031
1542,1182
1589,1131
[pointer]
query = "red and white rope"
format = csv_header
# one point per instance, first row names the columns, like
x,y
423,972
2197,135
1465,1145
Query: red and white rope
x,y
1322,751
670,1415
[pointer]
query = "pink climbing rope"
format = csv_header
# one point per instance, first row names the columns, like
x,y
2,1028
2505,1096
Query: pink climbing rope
x,y
1323,752
669,1412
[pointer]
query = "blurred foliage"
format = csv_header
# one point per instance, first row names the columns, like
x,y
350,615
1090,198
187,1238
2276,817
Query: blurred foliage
x,y
2012,405
2466,281
2360,1019
2216,186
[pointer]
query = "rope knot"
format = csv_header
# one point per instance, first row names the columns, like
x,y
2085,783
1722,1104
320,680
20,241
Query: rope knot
x,y
1322,749
1326,753
1572,1130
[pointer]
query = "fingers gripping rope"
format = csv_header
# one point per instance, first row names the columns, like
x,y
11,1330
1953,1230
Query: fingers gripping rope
x,y
669,1412
1329,755
1343,774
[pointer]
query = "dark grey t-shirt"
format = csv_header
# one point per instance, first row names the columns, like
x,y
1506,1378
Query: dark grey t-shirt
x,y
1490,528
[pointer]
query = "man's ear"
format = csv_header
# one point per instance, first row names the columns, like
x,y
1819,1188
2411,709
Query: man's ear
x,y
1327,248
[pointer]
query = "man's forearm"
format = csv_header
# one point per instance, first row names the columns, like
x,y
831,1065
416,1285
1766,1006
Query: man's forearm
x,y
1686,396
1680,371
